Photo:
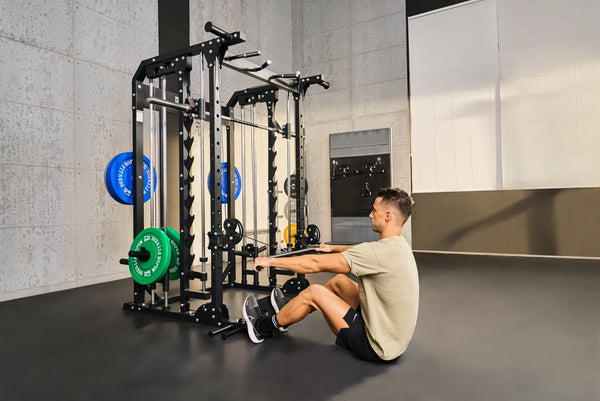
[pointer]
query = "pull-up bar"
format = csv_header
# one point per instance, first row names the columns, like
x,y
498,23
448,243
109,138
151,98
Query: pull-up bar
x,y
189,108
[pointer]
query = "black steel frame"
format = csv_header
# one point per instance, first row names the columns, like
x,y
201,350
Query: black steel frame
x,y
215,312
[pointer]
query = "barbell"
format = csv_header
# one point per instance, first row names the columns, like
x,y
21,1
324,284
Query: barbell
x,y
153,254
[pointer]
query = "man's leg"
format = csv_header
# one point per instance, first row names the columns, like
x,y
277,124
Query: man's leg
x,y
345,288
316,297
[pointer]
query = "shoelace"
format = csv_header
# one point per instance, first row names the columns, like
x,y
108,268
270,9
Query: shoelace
x,y
255,312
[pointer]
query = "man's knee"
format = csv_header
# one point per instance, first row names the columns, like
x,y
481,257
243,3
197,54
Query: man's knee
x,y
314,289
315,292
337,282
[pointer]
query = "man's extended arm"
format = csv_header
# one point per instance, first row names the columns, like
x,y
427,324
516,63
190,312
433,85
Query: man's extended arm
x,y
330,262
333,248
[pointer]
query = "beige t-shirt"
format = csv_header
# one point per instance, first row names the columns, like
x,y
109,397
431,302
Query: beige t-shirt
x,y
388,287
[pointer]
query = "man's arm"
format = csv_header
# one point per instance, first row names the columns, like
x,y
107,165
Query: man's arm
x,y
334,263
333,248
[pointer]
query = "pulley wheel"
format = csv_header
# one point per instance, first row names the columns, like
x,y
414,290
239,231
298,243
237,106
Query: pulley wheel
x,y
234,230
314,234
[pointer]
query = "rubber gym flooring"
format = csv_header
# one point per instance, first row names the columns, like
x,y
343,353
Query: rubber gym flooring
x,y
490,328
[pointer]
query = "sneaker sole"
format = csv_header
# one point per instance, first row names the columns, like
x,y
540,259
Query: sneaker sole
x,y
251,332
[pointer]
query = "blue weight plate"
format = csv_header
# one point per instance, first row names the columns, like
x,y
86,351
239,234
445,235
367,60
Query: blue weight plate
x,y
111,176
224,178
107,175
119,178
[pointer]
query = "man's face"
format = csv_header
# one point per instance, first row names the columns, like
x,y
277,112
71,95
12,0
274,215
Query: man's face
x,y
377,215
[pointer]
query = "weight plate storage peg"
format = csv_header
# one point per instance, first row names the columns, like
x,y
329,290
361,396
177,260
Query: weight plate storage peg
x,y
156,246
292,185
175,262
224,178
119,178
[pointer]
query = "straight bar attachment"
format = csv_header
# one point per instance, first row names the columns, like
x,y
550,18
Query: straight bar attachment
x,y
187,107
166,103
251,124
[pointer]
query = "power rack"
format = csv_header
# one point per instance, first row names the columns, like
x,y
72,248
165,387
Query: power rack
x,y
225,233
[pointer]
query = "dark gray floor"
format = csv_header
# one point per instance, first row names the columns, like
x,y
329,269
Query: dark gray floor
x,y
490,328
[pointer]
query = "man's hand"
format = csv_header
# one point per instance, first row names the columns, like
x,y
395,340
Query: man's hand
x,y
325,248
260,263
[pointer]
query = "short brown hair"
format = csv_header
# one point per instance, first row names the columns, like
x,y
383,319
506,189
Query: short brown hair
x,y
399,199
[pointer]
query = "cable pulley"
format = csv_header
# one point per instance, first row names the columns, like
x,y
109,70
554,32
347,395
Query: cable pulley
x,y
234,231
314,235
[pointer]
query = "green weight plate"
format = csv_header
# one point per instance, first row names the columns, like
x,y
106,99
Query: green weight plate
x,y
175,263
157,243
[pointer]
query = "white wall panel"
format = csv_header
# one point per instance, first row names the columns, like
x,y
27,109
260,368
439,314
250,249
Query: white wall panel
x,y
453,83
550,92
589,161
547,65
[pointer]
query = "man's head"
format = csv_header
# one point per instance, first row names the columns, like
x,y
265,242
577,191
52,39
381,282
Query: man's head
x,y
392,205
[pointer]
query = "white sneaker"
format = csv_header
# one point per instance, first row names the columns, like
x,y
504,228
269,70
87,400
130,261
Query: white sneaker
x,y
252,313
278,301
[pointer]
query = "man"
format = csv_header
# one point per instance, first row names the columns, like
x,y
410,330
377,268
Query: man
x,y
374,318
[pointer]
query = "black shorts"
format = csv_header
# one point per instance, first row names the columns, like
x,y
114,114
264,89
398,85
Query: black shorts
x,y
354,338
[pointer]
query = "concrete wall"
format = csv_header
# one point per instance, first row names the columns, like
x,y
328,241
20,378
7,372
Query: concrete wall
x,y
66,70
360,48
266,25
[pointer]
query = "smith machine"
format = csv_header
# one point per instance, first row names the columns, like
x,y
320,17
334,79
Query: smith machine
x,y
150,252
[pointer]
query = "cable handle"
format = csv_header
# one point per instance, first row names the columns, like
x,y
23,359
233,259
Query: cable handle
x,y
209,27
